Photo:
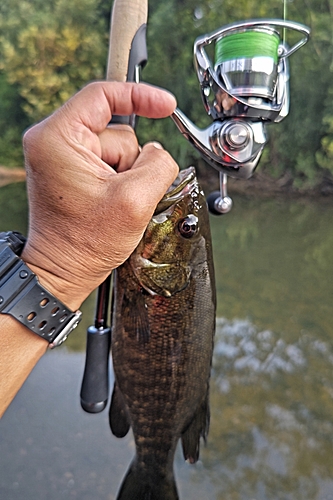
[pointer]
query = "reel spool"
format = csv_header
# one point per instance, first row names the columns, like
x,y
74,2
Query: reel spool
x,y
247,87
246,62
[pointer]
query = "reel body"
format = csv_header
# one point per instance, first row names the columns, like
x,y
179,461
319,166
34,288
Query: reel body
x,y
246,88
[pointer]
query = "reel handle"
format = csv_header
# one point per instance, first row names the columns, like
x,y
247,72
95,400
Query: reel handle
x,y
219,203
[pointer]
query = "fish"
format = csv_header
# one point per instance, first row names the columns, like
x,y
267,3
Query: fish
x,y
162,341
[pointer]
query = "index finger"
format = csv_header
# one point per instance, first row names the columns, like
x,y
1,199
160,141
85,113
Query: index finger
x,y
95,105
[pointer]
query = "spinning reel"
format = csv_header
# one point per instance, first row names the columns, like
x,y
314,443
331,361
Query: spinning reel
x,y
247,88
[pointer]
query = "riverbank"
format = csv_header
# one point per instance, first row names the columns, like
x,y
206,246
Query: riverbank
x,y
10,175
262,185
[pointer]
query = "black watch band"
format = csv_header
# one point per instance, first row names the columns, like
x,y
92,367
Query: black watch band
x,y
24,298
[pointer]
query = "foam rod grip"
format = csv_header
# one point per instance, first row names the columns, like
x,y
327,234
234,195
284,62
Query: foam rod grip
x,y
95,383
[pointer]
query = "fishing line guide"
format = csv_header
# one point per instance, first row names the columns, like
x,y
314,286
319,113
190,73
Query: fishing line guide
x,y
246,88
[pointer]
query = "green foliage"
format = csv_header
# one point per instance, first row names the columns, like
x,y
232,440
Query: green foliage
x,y
12,122
324,155
51,48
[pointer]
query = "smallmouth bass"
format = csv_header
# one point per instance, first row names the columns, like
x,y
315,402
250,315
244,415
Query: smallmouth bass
x,y
162,341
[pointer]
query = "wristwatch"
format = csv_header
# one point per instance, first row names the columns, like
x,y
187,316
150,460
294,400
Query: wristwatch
x,y
24,298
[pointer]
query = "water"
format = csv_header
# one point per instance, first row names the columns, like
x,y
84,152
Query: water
x,y
271,433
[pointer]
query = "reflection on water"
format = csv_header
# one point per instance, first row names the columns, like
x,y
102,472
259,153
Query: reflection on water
x,y
272,384
272,408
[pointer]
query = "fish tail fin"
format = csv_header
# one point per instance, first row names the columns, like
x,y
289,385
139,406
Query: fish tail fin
x,y
137,486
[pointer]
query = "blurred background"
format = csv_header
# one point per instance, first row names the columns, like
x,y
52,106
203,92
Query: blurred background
x,y
51,48
271,433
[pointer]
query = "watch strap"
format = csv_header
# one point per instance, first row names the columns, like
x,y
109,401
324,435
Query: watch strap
x,y
24,298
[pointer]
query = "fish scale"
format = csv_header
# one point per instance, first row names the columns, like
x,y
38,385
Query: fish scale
x,y
162,343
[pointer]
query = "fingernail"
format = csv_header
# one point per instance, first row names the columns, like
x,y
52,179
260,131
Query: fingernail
x,y
157,145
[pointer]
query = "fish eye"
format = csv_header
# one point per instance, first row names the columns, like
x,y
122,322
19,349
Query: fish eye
x,y
188,226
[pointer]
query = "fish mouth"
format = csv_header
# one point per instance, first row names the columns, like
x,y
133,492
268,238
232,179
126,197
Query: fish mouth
x,y
163,279
183,184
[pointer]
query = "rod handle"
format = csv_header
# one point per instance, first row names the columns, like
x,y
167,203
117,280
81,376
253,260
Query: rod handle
x,y
127,17
95,384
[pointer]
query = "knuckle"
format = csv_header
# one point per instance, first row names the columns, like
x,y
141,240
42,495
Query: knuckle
x,y
167,163
30,142
136,209
28,137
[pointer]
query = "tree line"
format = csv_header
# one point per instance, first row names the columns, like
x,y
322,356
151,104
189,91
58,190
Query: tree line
x,y
49,49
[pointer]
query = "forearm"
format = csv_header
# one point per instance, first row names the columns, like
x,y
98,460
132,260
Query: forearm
x,y
19,353
20,347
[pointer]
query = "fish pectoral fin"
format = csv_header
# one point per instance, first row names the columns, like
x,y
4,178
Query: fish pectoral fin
x,y
134,316
141,321
118,417
197,428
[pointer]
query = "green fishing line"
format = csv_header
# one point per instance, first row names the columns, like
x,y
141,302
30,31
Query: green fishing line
x,y
247,44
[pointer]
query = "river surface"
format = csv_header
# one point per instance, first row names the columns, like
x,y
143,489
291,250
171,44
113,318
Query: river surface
x,y
271,434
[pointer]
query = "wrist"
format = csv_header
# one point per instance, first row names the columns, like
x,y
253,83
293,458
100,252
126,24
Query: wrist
x,y
56,278
25,298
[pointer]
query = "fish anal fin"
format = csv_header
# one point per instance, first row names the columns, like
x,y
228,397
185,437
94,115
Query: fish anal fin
x,y
197,428
118,417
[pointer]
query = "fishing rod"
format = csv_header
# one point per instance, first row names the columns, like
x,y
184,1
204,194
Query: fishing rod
x,y
245,89
127,56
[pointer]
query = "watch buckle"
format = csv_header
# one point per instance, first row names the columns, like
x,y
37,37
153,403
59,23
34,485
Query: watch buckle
x,y
71,325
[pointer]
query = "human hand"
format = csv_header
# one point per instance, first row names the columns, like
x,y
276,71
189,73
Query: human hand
x,y
91,190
